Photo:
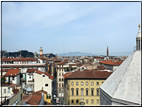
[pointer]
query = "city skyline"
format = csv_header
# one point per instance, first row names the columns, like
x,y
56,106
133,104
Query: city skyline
x,y
61,27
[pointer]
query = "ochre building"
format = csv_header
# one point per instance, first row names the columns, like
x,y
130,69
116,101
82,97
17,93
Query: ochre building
x,y
82,87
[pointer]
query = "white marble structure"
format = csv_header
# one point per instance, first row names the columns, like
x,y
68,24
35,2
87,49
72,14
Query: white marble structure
x,y
123,87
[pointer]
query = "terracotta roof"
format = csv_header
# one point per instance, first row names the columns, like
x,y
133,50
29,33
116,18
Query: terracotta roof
x,y
46,73
13,85
42,91
110,62
14,65
101,68
26,97
32,70
66,74
63,62
35,99
42,58
12,72
89,74
15,91
19,59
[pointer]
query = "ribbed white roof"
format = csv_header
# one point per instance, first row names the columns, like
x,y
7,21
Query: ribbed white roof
x,y
125,82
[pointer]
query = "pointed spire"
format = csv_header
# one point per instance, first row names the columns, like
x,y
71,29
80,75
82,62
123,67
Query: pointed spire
x,y
107,51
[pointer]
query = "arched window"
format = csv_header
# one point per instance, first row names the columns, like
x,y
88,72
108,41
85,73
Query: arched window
x,y
72,90
92,91
82,91
77,91
86,91
97,91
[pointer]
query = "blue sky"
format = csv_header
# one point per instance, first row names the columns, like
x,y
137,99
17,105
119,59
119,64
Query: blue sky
x,y
61,27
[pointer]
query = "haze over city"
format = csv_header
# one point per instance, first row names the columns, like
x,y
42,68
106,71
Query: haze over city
x,y
61,27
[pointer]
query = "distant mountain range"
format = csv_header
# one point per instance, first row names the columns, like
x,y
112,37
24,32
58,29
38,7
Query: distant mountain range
x,y
90,54
75,54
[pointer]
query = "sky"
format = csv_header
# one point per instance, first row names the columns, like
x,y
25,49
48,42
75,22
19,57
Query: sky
x,y
61,27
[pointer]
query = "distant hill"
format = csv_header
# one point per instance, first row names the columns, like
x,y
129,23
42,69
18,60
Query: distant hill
x,y
23,53
75,54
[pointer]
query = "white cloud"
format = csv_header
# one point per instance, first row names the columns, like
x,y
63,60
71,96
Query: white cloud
x,y
43,14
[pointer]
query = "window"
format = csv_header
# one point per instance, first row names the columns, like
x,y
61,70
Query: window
x,y
60,94
59,84
77,101
92,83
92,91
46,85
72,83
77,83
81,83
62,79
72,90
21,97
97,101
92,101
82,91
86,91
43,75
87,101
86,83
102,82
12,78
8,90
97,83
72,101
4,90
62,85
77,91
29,76
97,91
59,79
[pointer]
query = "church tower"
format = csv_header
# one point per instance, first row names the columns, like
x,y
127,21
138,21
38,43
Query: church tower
x,y
138,39
40,51
107,52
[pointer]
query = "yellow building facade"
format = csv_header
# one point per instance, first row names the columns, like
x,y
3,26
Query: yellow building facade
x,y
82,91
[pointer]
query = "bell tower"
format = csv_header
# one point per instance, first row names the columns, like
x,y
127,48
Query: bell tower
x,y
40,51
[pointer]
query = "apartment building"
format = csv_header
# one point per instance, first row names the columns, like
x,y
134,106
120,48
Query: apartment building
x,y
82,87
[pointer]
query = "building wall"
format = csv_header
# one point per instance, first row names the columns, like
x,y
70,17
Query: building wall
x,y
15,81
40,83
111,67
7,93
60,81
92,100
